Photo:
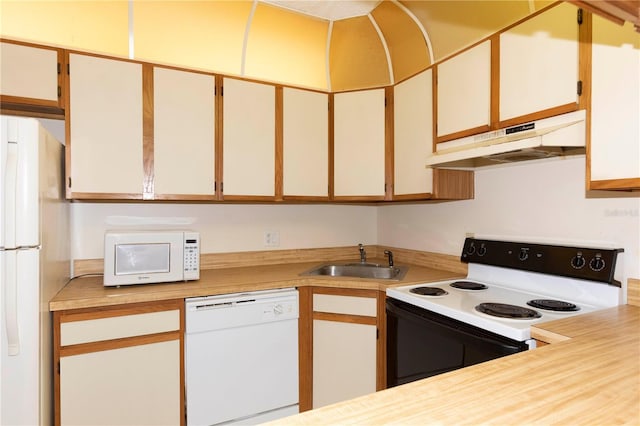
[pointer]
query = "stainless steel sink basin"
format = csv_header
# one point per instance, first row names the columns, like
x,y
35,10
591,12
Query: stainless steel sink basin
x,y
359,270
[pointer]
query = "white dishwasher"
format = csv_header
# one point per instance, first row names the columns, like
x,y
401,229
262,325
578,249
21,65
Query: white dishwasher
x,y
241,357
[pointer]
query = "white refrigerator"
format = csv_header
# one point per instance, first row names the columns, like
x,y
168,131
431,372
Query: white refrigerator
x,y
34,265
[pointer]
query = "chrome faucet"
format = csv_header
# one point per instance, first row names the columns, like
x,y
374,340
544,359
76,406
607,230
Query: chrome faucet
x,y
363,254
390,254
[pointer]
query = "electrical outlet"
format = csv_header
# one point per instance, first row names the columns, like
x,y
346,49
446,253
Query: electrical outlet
x,y
271,238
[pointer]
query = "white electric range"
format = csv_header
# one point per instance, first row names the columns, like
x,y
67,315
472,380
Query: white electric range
x,y
510,286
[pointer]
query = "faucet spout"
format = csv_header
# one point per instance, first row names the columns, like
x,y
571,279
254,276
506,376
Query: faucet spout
x,y
390,254
363,254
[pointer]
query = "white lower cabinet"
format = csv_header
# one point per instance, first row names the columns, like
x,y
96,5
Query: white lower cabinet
x,y
344,348
120,366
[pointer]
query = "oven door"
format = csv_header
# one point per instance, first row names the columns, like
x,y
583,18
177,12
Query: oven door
x,y
421,343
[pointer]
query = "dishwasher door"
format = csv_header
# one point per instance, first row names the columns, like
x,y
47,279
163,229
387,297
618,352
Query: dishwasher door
x,y
241,356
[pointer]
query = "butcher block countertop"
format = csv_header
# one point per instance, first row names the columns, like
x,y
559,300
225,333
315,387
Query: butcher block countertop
x,y
88,292
591,376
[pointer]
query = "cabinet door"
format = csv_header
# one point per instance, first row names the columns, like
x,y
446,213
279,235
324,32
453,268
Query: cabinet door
x,y
184,133
248,140
344,347
464,92
29,74
305,144
359,144
539,64
120,365
615,106
105,128
128,386
413,135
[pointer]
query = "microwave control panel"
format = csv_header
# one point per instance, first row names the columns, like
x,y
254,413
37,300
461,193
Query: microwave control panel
x,y
191,256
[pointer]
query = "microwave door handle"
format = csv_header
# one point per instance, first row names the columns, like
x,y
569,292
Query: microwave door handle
x,y
9,260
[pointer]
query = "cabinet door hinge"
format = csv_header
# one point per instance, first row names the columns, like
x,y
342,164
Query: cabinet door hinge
x,y
377,333
385,102
580,17
59,68
68,69
58,367
579,88
69,181
59,91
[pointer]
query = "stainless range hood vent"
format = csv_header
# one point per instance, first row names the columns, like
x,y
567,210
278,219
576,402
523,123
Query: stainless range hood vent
x,y
561,135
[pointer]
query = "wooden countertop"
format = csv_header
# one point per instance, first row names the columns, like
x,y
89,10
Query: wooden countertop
x,y
89,292
591,376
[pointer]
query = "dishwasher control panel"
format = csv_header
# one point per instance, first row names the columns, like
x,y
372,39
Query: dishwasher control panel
x,y
240,309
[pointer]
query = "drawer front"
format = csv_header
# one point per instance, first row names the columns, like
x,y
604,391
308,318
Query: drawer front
x,y
96,330
349,305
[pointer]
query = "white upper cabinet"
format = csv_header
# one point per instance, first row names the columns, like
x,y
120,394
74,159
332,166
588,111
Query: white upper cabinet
x,y
413,135
464,91
248,139
359,144
105,119
615,106
29,72
305,143
184,132
539,63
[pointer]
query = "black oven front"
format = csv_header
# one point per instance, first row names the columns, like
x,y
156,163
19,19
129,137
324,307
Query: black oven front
x,y
421,343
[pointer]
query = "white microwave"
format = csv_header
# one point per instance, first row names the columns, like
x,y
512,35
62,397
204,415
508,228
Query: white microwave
x,y
144,257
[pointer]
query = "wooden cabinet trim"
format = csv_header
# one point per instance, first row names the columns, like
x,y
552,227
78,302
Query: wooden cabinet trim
x,y
351,319
538,115
389,159
630,184
148,183
337,291
305,348
119,310
279,148
126,342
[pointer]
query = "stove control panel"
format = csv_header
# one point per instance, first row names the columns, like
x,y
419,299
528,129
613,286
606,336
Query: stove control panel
x,y
574,262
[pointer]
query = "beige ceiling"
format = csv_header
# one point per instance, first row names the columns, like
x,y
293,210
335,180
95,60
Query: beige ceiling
x,y
332,45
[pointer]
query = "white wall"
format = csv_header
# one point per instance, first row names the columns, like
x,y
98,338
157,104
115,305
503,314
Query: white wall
x,y
540,200
228,227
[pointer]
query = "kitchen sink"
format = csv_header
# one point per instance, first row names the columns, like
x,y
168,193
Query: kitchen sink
x,y
359,270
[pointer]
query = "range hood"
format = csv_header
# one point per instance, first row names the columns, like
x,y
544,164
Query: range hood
x,y
560,135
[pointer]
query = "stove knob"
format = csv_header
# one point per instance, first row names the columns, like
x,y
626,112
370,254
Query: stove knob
x,y
597,263
471,249
578,261
482,250
524,254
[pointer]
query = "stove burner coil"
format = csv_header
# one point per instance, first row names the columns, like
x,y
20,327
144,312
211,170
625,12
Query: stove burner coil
x,y
504,310
429,291
553,305
468,285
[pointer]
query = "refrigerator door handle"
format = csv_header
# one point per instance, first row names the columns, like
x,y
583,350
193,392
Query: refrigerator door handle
x,y
9,194
10,278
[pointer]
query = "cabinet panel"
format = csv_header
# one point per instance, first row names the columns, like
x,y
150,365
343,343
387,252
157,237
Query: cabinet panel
x,y
539,63
248,138
184,129
94,330
413,135
350,305
344,361
615,103
134,385
359,143
105,125
464,90
29,72
306,143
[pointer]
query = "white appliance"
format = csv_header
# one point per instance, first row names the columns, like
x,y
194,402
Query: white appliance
x,y
433,328
145,257
560,135
34,265
241,356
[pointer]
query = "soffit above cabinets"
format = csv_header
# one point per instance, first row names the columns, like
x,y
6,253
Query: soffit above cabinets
x,y
330,45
